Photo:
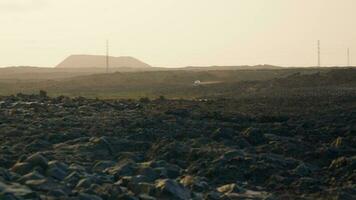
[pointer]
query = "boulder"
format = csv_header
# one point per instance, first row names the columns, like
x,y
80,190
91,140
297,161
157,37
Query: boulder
x,y
5,174
72,179
248,194
170,189
196,184
142,188
107,191
223,134
123,168
124,181
127,197
54,163
85,196
38,159
31,176
45,185
102,142
230,188
302,170
57,193
16,191
84,183
22,168
338,163
166,170
76,168
212,195
100,166
339,142
307,184
37,145
146,197
56,173
254,136
149,173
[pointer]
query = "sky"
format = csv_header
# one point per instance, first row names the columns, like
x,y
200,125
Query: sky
x,y
178,33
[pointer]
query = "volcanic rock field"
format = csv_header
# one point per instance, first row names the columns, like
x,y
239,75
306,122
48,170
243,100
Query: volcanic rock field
x,y
258,148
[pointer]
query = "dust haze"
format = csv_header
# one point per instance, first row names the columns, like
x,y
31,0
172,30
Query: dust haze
x,y
182,100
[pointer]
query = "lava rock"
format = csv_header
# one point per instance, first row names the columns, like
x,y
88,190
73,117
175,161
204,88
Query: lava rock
x,y
170,189
230,188
22,168
15,191
84,196
254,136
38,159
56,173
101,166
43,185
31,176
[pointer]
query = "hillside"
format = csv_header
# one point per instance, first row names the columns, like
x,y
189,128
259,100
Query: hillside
x,y
239,67
179,83
95,61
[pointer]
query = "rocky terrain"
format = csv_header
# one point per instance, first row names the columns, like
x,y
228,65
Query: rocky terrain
x,y
264,148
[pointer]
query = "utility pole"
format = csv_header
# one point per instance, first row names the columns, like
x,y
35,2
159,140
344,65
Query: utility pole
x,y
319,62
107,56
348,57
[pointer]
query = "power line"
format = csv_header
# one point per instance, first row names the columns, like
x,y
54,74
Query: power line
x,y
107,56
319,62
348,57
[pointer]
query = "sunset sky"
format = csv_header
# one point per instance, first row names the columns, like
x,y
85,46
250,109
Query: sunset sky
x,y
177,33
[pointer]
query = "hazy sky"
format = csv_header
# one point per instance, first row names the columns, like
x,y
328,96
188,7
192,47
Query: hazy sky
x,y
170,33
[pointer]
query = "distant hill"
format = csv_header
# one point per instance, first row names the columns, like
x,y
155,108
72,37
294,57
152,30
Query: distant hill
x,y
170,83
178,83
335,77
95,61
241,67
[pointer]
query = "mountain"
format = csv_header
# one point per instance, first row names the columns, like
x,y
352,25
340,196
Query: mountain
x,y
95,61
